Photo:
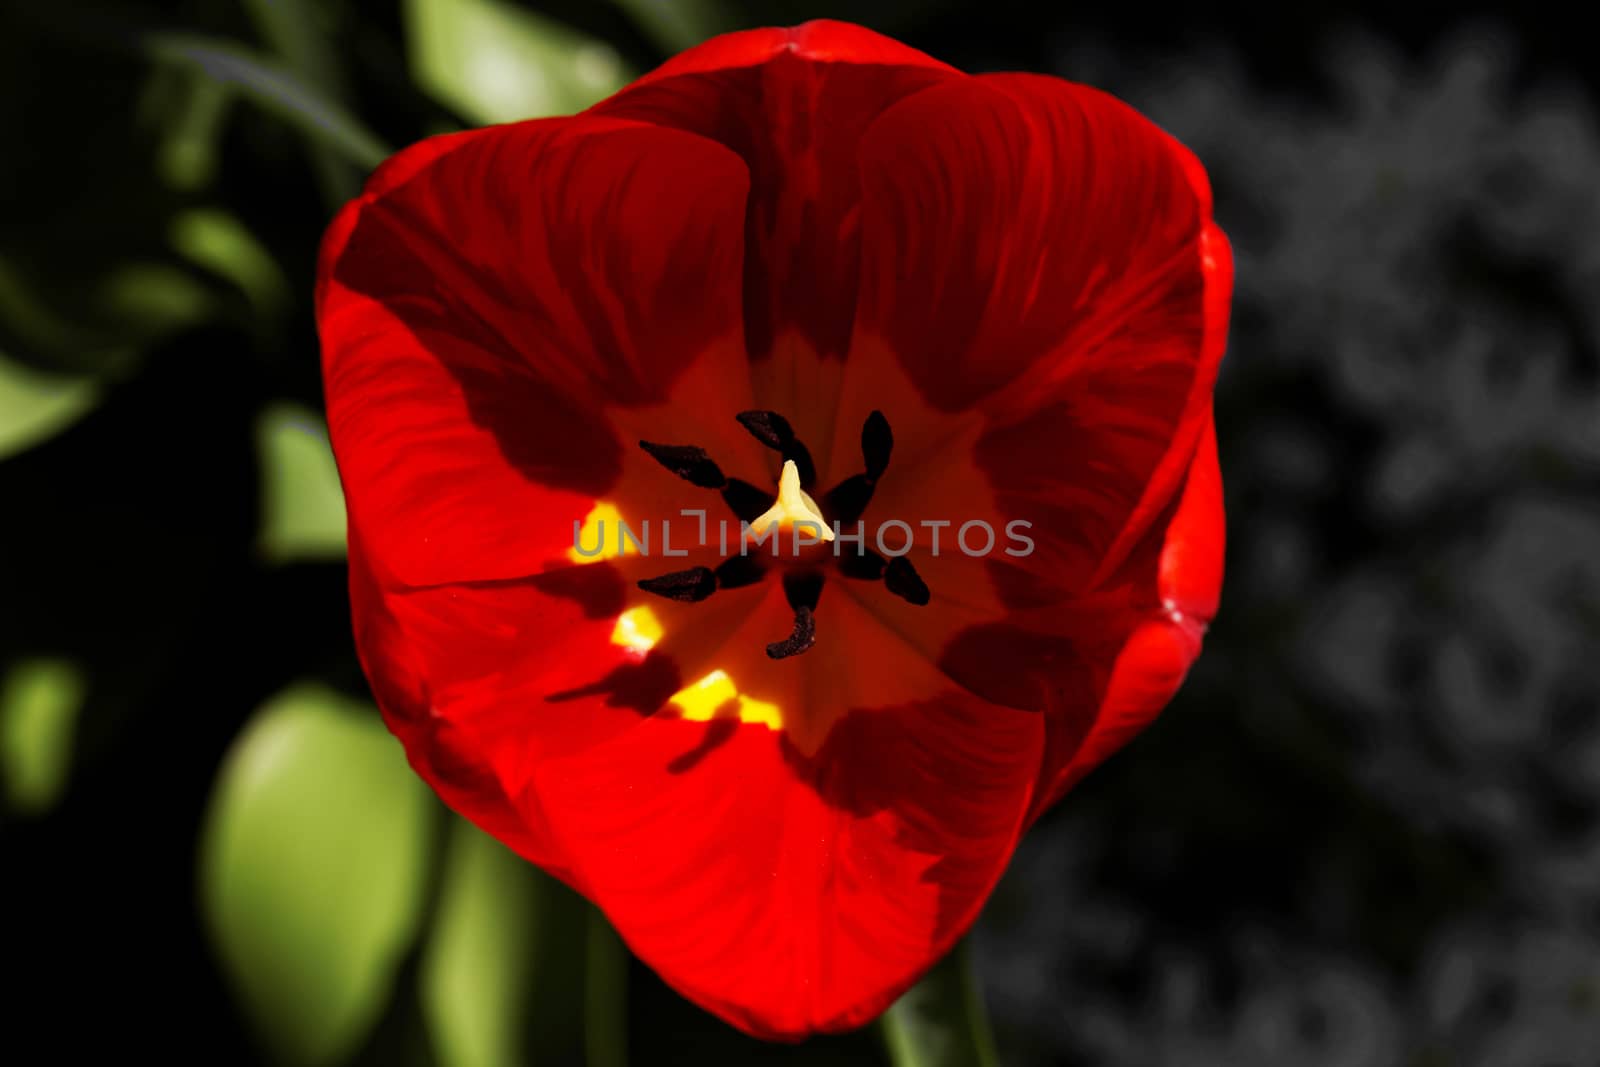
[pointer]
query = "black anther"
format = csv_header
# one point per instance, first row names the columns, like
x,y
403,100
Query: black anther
x,y
877,441
803,637
902,579
688,462
774,431
867,566
692,585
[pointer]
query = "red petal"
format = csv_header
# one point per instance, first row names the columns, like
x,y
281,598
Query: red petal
x,y
793,104
1191,560
820,40
1039,261
1039,252
1023,227
484,303
482,681
1162,641
790,894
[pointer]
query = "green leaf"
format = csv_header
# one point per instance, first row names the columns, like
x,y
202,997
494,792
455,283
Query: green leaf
x,y
191,111
39,704
479,968
31,323
105,318
679,24
273,87
494,62
220,243
154,299
941,1021
302,506
296,32
35,406
313,870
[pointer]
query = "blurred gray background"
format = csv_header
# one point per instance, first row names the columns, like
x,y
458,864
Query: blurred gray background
x,y
1366,831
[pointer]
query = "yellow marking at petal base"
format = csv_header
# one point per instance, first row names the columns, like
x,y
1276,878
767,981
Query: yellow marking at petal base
x,y
701,701
603,527
637,630
793,507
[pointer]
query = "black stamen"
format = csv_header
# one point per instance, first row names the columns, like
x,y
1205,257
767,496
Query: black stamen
x,y
803,589
688,462
877,441
902,579
738,571
847,501
692,585
768,427
803,637
774,431
867,567
746,501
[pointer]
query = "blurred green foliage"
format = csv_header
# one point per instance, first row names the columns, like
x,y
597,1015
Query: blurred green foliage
x,y
34,405
313,870
40,700
941,1021
497,62
474,991
274,86
680,24
302,507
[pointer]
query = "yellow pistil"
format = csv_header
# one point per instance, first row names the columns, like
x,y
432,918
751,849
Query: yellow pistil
x,y
794,507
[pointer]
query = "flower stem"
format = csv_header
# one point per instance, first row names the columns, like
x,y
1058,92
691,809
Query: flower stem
x,y
941,1021
605,1011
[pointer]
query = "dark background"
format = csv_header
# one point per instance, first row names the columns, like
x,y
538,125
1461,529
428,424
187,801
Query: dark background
x,y
1367,832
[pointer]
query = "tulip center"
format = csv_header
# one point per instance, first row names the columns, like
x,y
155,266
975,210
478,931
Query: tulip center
x,y
795,513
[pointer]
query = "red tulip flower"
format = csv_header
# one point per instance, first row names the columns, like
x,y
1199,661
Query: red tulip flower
x,y
792,276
